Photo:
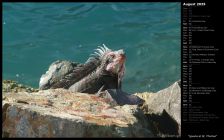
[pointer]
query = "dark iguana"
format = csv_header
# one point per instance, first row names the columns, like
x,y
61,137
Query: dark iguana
x,y
104,70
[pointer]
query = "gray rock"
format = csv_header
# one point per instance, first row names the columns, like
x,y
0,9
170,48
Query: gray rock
x,y
164,109
61,113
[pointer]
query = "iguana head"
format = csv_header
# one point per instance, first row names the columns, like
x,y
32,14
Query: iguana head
x,y
116,61
113,62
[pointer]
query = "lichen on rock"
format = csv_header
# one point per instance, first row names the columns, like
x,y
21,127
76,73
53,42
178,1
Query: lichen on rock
x,y
13,86
63,113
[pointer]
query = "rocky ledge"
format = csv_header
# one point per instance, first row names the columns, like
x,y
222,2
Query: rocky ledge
x,y
61,113
13,86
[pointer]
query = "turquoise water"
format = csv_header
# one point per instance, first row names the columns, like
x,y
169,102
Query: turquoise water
x,y
36,34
